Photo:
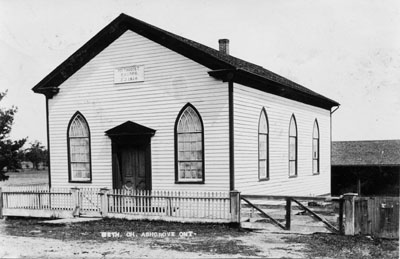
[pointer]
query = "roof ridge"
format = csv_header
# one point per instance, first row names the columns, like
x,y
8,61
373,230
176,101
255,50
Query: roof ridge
x,y
228,58
263,78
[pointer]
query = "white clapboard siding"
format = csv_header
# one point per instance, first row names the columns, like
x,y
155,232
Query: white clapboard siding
x,y
248,103
171,81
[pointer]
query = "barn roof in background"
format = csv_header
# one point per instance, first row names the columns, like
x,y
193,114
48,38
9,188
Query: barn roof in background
x,y
366,153
223,66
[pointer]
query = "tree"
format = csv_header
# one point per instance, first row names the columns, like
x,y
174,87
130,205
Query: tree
x,y
9,150
36,154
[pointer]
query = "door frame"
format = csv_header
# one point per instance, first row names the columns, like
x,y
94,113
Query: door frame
x,y
130,134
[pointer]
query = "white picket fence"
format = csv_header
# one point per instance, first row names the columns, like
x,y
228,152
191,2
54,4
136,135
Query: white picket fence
x,y
36,198
139,204
212,206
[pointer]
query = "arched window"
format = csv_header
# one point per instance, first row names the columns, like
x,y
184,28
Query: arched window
x,y
79,163
189,146
293,147
263,147
315,148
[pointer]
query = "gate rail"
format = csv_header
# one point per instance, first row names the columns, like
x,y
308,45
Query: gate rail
x,y
265,214
296,199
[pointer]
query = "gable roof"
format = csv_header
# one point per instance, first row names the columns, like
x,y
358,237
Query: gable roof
x,y
130,128
223,66
366,153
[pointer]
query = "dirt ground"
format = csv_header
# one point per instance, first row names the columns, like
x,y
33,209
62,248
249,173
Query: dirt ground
x,y
28,247
29,238
112,238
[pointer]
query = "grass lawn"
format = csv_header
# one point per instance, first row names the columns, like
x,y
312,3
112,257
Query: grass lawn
x,y
26,177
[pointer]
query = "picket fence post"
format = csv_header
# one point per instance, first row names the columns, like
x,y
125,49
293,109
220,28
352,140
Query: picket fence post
x,y
104,201
349,210
75,200
235,206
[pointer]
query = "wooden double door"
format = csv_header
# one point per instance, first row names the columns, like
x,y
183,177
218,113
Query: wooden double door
x,y
132,167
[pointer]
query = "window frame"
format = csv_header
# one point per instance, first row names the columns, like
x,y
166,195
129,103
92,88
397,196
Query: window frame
x,y
316,126
267,176
70,176
293,119
177,179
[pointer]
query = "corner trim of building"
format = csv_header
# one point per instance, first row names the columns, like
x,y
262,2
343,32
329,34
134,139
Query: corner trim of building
x,y
231,138
48,140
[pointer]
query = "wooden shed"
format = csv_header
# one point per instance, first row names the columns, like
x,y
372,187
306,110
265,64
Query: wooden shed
x,y
366,167
138,107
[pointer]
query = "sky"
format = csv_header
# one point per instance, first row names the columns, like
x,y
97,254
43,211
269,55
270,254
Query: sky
x,y
346,50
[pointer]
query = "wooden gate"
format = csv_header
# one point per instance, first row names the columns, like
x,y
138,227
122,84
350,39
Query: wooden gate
x,y
292,212
377,216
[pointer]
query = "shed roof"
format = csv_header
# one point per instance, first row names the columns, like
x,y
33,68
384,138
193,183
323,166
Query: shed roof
x,y
366,153
240,71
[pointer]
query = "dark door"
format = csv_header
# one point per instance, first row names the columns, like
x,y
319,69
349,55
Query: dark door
x,y
133,168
